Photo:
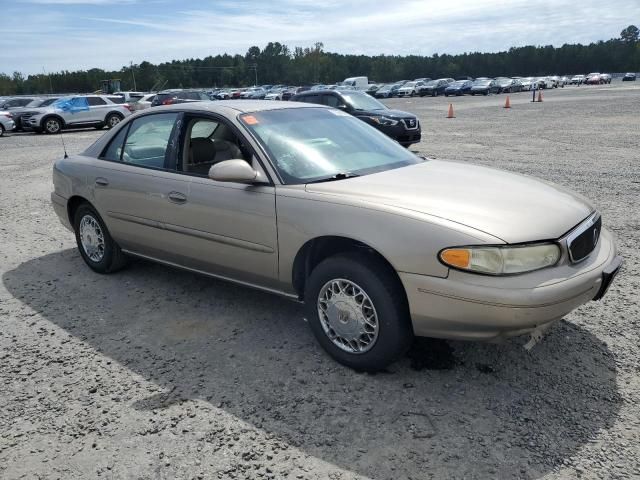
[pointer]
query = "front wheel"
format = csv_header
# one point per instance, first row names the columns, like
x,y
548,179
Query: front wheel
x,y
357,310
52,125
99,251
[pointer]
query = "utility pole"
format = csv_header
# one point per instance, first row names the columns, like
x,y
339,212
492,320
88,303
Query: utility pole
x,y
255,70
134,76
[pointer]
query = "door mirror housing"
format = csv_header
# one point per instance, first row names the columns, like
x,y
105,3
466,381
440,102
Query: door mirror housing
x,y
236,170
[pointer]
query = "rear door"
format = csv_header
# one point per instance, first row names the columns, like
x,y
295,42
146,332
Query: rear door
x,y
135,191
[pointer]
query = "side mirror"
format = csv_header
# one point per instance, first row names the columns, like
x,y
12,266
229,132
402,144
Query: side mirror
x,y
237,170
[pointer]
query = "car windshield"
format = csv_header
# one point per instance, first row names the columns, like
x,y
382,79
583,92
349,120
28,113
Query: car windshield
x,y
459,83
432,82
311,144
482,83
409,84
361,101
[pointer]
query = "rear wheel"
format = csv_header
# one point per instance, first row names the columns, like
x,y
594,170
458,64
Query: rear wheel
x,y
113,119
1,130
99,251
357,311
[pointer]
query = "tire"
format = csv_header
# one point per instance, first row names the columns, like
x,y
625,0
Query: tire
x,y
385,295
434,94
107,259
52,125
1,130
446,94
112,120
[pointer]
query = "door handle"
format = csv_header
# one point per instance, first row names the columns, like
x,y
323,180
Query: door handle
x,y
177,197
102,182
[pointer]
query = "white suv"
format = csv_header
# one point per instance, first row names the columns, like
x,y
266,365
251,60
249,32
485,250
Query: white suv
x,y
75,112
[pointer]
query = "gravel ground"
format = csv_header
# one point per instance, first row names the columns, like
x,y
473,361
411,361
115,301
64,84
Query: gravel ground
x,y
157,373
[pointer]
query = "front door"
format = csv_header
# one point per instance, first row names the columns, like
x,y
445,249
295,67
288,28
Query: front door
x,y
230,228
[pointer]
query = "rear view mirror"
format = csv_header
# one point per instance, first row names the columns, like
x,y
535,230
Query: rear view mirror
x,y
237,170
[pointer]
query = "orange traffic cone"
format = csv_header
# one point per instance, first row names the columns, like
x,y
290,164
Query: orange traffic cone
x,y
507,104
451,115
540,95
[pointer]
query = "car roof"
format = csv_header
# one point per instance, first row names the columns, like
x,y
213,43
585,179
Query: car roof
x,y
245,106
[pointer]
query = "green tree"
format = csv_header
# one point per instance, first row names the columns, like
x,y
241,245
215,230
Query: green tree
x,y
631,34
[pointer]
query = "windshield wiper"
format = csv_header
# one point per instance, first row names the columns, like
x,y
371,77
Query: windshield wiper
x,y
337,176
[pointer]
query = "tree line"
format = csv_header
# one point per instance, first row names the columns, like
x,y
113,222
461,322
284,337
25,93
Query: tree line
x,y
278,64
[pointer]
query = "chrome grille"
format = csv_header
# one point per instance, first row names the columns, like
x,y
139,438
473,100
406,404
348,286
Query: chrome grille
x,y
584,238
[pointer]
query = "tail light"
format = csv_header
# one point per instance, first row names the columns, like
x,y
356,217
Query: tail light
x,y
127,106
167,101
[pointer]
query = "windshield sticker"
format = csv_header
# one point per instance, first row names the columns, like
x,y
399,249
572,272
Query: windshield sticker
x,y
250,120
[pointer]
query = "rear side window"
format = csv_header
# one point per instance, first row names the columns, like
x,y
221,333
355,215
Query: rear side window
x,y
114,151
117,99
93,101
148,139
310,99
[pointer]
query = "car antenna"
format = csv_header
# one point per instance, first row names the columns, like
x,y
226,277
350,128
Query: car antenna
x,y
64,147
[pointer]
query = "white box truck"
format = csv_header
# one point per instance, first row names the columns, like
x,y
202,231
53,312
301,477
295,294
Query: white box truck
x,y
359,83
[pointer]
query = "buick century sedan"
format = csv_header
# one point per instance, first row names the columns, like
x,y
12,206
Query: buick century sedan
x,y
308,202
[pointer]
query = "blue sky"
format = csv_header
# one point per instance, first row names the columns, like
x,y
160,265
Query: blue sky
x,y
81,34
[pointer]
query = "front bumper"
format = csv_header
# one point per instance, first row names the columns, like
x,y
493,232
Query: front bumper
x,y
465,306
9,125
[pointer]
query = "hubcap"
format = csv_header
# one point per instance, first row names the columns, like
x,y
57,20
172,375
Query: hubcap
x,y
114,120
53,125
92,238
348,316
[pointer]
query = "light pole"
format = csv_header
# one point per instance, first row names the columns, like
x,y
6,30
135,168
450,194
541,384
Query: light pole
x,y
134,76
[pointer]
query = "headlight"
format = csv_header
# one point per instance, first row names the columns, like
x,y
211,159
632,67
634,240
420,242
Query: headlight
x,y
501,260
388,122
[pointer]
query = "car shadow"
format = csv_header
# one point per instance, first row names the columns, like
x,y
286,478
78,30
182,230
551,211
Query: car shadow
x,y
461,410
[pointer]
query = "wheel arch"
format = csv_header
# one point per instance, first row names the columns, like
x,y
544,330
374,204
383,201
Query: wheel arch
x,y
317,249
72,206
52,115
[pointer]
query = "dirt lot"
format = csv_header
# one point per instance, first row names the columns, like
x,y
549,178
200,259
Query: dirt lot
x,y
157,373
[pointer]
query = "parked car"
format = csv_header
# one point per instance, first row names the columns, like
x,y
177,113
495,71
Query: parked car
x,y
316,206
526,82
143,103
593,79
6,122
171,97
508,85
372,89
385,91
577,80
409,89
18,112
484,87
564,81
131,97
629,77
605,78
402,126
10,103
76,112
459,87
434,87
254,93
274,94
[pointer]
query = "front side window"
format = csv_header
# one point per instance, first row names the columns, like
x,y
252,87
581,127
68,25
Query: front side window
x,y
331,101
311,144
148,139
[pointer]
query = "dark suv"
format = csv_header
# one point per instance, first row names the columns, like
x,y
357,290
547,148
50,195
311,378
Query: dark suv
x,y
401,126
171,97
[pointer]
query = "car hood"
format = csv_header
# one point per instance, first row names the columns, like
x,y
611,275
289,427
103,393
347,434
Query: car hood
x,y
512,207
385,113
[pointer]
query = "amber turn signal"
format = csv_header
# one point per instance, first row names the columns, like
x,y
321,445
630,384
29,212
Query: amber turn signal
x,y
456,257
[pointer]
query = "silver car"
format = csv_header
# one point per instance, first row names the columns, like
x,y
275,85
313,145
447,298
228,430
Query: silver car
x,y
75,112
313,204
7,123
